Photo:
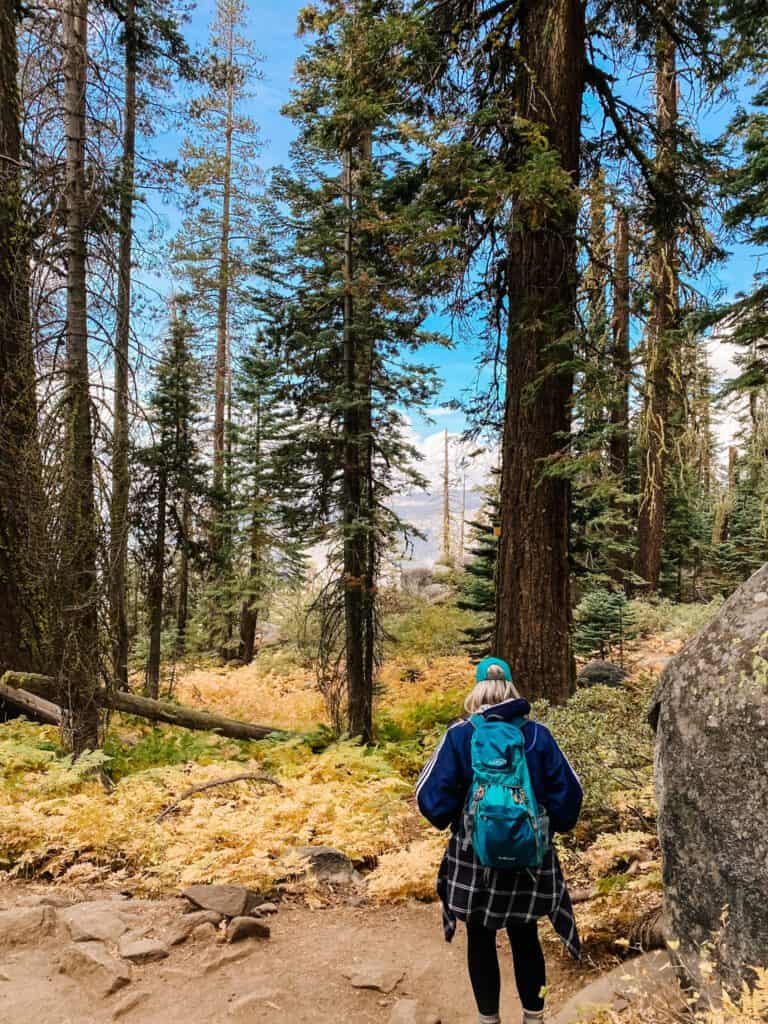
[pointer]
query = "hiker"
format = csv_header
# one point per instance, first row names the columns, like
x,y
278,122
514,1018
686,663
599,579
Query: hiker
x,y
502,784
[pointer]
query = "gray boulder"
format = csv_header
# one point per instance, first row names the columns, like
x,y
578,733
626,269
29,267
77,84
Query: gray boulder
x,y
246,928
91,965
710,712
413,581
327,864
227,900
142,951
187,925
97,921
601,673
646,977
375,974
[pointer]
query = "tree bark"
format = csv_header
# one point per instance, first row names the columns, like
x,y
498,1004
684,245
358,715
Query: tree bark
x,y
621,373
152,677
358,524
618,452
24,610
182,603
660,361
78,584
533,601
220,397
120,470
354,553
249,612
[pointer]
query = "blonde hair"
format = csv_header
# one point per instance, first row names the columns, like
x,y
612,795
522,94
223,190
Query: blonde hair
x,y
492,690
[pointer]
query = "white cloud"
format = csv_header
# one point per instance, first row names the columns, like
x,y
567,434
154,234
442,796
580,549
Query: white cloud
x,y
727,415
469,460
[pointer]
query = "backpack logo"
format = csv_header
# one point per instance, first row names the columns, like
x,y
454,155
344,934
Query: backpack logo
x,y
502,819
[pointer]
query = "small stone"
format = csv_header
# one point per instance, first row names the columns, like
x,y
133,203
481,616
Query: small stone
x,y
205,932
190,922
327,864
377,975
128,1003
246,928
94,923
227,900
26,925
410,1011
90,964
601,673
142,951
267,908
4,976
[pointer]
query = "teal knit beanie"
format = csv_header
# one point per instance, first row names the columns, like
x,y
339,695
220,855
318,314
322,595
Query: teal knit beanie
x,y
481,672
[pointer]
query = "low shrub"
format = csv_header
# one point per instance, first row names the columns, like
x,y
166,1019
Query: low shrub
x,y
427,630
675,621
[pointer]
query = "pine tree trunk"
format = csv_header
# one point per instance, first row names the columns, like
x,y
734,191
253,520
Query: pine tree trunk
x,y
24,640
220,397
120,470
78,584
249,612
622,367
533,601
182,602
156,587
358,516
660,362
354,551
621,372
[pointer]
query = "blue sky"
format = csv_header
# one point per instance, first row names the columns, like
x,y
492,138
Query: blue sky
x,y
271,26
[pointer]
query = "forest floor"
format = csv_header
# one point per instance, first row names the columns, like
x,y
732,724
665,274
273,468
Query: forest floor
x,y
66,838
298,975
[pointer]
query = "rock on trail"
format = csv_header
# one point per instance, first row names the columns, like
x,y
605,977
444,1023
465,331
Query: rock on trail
x,y
246,928
91,964
711,715
142,951
377,974
189,924
26,925
227,900
99,921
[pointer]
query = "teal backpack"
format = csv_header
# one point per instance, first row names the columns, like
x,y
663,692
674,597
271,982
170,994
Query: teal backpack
x,y
502,819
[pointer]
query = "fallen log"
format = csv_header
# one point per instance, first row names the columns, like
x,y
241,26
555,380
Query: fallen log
x,y
35,707
179,714
32,682
44,688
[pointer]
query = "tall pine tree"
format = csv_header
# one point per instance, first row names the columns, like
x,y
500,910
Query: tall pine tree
x,y
362,263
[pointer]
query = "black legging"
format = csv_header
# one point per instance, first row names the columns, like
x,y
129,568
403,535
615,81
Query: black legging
x,y
483,961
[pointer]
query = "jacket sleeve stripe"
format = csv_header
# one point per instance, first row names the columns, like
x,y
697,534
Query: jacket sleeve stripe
x,y
426,771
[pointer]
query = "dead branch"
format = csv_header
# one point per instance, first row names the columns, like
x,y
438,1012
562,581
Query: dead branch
x,y
245,776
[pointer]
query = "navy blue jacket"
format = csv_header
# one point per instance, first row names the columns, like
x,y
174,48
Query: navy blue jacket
x,y
445,780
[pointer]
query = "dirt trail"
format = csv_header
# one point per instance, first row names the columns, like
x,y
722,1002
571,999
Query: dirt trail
x,y
297,976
